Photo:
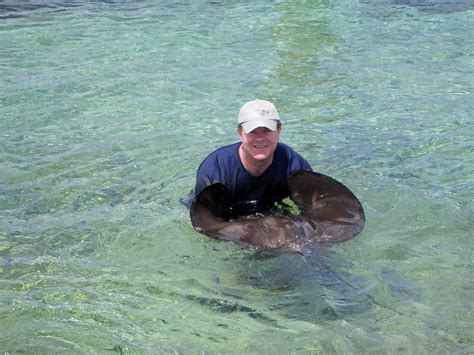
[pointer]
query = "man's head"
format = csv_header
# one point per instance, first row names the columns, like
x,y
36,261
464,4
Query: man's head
x,y
259,131
258,113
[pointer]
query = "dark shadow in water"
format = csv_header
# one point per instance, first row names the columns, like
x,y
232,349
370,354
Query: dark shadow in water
x,y
18,9
399,287
308,288
293,286
228,306
431,6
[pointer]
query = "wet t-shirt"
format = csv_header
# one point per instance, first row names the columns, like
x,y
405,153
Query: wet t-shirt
x,y
249,194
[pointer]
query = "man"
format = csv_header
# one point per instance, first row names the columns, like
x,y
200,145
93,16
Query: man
x,y
257,169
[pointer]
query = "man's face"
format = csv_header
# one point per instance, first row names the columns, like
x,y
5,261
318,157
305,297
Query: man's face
x,y
259,144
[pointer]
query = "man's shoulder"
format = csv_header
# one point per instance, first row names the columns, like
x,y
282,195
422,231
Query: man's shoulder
x,y
295,160
231,148
224,152
222,155
283,146
286,149
219,166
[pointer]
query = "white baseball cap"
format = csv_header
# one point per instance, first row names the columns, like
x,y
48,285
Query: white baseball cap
x,y
258,113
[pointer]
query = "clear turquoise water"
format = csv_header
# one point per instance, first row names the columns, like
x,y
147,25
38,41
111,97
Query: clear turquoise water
x,y
106,110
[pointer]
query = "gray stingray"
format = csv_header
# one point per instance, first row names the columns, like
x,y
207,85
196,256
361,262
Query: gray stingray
x,y
330,213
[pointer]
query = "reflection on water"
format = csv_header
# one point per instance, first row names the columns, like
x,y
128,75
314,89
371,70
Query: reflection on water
x,y
302,38
107,109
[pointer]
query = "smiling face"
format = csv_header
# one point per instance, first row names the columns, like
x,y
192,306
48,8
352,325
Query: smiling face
x,y
257,148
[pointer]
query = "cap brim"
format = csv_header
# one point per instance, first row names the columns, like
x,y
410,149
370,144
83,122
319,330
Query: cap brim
x,y
249,126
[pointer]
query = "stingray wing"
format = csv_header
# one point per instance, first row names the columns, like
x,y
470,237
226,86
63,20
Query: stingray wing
x,y
329,204
265,233
206,209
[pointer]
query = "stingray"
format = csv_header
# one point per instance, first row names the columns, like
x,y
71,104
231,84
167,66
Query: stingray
x,y
329,213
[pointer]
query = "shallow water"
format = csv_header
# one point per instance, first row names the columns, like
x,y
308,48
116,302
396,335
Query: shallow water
x,y
107,108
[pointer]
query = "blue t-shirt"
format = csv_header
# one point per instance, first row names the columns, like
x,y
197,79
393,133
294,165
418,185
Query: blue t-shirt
x,y
249,194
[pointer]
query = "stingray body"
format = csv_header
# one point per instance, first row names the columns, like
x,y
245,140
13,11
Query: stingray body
x,y
330,213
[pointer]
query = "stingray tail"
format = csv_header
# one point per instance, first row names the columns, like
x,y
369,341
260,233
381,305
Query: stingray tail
x,y
328,269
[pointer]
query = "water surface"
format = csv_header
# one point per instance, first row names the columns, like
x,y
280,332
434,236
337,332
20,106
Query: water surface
x,y
108,107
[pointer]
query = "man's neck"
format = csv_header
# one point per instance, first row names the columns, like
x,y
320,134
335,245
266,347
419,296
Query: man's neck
x,y
254,167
